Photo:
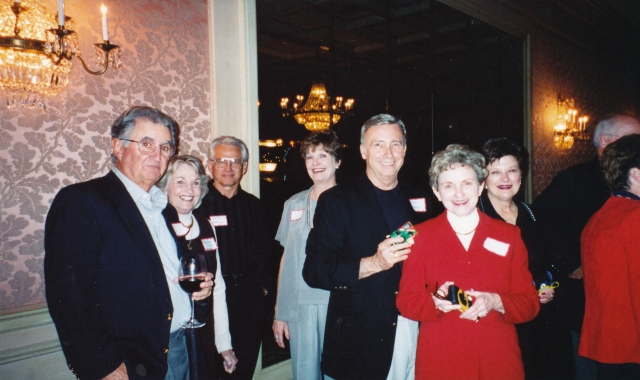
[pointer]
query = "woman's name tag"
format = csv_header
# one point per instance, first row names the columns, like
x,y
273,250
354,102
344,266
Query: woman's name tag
x,y
209,244
296,214
497,247
418,204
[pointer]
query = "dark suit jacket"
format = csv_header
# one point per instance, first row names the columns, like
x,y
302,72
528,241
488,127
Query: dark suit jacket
x,y
105,285
361,319
565,207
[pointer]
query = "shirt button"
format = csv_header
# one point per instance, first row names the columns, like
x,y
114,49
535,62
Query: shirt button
x,y
396,293
168,317
393,324
166,350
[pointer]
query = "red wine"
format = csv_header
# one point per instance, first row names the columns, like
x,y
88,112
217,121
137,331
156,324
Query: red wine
x,y
191,284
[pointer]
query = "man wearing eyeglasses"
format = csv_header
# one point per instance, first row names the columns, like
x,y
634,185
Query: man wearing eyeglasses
x,y
244,244
565,207
110,262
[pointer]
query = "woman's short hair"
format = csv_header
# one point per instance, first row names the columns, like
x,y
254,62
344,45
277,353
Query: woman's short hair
x,y
496,148
453,156
192,161
618,158
328,140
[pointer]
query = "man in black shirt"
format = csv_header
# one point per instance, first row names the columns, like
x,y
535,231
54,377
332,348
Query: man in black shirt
x,y
243,240
349,253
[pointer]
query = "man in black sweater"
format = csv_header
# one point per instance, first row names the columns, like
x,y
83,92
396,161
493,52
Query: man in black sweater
x,y
243,238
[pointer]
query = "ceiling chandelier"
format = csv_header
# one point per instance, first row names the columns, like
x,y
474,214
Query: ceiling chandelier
x,y
317,114
36,50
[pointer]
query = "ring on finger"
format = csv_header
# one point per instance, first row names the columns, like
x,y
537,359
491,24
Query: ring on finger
x,y
276,337
395,254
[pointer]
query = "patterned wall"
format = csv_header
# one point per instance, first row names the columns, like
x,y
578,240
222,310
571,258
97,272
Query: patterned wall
x,y
599,85
166,59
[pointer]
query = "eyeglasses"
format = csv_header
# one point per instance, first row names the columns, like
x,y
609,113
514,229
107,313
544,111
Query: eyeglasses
x,y
147,146
222,163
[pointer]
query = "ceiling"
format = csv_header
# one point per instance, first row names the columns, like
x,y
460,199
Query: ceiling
x,y
448,75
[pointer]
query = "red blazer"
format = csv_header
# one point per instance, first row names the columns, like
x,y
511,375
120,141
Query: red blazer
x,y
611,266
454,348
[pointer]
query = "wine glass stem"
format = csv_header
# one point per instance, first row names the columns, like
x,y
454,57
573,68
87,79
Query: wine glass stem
x,y
192,307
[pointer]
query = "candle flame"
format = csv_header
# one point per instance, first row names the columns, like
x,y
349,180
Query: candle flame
x,y
103,9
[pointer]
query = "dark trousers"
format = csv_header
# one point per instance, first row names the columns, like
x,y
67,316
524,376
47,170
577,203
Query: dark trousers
x,y
245,304
626,371
546,347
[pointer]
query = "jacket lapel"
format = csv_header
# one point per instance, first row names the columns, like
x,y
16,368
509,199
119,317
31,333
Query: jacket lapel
x,y
135,223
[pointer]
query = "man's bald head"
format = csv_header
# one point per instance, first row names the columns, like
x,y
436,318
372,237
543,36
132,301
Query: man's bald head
x,y
612,128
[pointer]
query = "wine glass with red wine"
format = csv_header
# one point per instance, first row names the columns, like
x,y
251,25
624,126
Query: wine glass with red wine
x,y
193,270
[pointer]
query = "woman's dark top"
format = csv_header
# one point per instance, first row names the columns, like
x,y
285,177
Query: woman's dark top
x,y
531,230
205,348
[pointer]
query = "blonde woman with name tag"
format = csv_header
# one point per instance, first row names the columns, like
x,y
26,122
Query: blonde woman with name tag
x,y
475,337
185,184
301,311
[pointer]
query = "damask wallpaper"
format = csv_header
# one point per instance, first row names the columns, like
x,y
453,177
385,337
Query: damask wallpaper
x,y
166,65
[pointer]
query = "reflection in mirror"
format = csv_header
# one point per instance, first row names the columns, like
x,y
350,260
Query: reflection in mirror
x,y
451,79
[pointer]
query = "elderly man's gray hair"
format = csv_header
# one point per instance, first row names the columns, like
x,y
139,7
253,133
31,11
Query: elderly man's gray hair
x,y
229,140
609,126
124,124
383,119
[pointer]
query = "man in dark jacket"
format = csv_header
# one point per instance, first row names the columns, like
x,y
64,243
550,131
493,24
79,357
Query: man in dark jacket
x,y
110,261
350,254
565,207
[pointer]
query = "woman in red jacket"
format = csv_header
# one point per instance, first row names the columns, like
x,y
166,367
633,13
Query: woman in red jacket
x,y
611,265
486,259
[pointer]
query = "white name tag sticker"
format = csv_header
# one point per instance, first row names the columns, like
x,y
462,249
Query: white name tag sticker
x,y
497,247
418,204
180,229
218,220
296,214
209,244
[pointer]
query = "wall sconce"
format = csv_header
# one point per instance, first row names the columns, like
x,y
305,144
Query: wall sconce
x,y
568,127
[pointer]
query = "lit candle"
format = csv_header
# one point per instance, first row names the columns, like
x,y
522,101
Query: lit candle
x,y
105,27
61,13
17,2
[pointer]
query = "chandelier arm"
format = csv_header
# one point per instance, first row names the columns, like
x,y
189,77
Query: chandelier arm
x,y
105,47
99,72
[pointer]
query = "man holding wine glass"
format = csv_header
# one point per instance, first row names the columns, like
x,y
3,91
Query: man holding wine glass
x,y
110,261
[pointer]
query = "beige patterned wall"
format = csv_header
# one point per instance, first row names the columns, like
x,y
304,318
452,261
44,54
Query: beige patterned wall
x,y
599,85
166,61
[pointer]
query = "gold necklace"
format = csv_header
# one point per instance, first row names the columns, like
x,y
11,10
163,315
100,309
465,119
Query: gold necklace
x,y
465,233
188,230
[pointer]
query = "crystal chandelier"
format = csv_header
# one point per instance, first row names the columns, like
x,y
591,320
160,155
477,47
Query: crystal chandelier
x,y
569,128
317,114
36,49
